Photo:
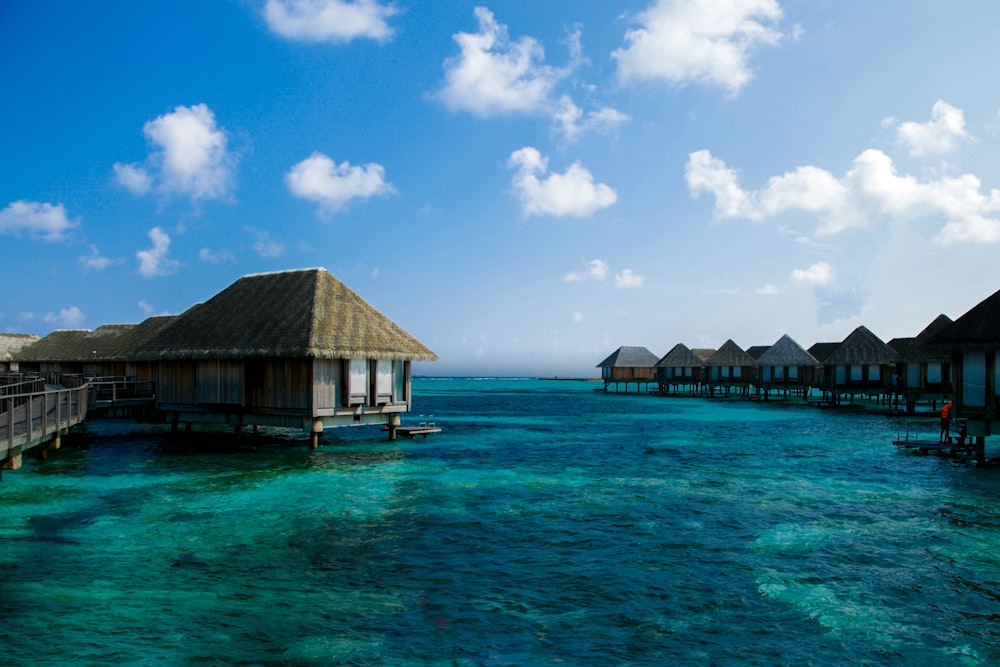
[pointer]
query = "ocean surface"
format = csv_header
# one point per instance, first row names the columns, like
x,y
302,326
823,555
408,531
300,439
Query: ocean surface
x,y
547,524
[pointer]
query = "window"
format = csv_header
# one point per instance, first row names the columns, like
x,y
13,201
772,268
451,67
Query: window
x,y
793,372
873,372
737,371
856,372
974,379
779,372
933,371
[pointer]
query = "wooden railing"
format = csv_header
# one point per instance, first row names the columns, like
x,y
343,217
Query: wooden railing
x,y
30,419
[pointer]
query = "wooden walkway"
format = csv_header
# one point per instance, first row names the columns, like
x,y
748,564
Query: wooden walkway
x,y
38,418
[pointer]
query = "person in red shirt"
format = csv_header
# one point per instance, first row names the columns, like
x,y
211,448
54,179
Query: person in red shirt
x,y
945,419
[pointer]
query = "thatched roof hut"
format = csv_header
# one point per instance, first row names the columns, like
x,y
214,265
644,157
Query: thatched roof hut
x,y
680,356
786,352
77,345
629,357
861,347
730,354
919,347
303,313
978,329
12,343
820,351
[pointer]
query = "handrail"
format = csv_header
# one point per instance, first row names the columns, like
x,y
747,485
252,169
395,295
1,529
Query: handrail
x,y
29,419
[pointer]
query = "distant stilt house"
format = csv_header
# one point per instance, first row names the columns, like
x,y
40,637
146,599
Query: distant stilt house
x,y
289,349
786,367
76,352
730,369
680,371
973,340
628,365
820,351
923,370
10,345
861,365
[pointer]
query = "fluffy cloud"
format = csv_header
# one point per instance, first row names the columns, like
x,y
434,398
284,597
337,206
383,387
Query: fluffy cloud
x,y
937,136
597,269
321,180
336,21
571,122
210,256
628,280
573,193
155,262
820,273
94,261
70,318
264,245
191,157
869,192
41,221
494,75
687,41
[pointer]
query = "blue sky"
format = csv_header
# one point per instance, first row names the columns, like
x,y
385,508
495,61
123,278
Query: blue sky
x,y
523,186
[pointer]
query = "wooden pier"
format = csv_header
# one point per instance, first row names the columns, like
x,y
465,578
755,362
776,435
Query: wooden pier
x,y
39,418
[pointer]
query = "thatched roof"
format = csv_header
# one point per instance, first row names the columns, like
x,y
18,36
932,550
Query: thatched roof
x,y
77,345
756,350
629,357
822,350
703,353
730,354
786,352
918,348
11,344
979,328
680,357
861,347
288,314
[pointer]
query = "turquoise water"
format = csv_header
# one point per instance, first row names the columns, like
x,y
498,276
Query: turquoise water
x,y
547,524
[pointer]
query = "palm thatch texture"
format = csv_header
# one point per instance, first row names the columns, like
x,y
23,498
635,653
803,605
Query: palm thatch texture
x,y
730,354
861,347
786,352
11,344
978,329
680,356
304,313
629,357
919,347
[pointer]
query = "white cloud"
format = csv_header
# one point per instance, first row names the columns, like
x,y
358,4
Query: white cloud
x,y
336,21
871,191
937,136
571,122
264,245
70,318
155,262
820,273
94,261
769,290
689,41
319,179
145,307
133,178
596,270
572,193
191,157
210,256
577,316
628,280
494,75
41,221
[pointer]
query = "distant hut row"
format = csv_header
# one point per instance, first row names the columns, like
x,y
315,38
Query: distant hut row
x,y
287,349
947,360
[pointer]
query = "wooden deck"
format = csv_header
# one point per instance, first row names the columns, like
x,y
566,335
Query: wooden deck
x,y
953,447
37,418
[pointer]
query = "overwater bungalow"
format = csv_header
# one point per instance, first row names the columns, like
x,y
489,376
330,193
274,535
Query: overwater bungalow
x,y
973,341
10,345
861,365
786,367
288,349
923,370
75,352
629,364
730,368
680,370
